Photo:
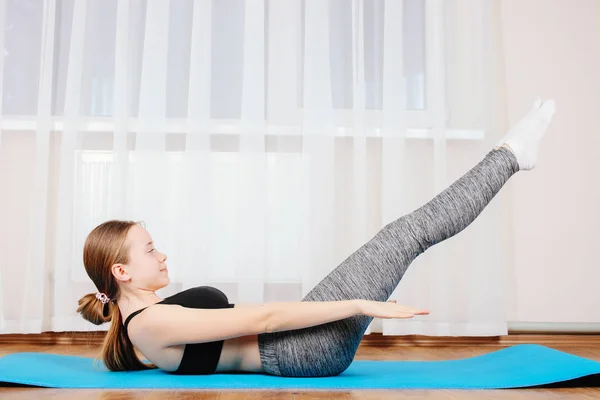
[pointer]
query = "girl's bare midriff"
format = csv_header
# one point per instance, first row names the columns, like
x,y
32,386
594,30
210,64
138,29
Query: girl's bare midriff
x,y
240,354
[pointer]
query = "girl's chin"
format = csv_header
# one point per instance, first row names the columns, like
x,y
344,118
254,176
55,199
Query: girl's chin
x,y
164,283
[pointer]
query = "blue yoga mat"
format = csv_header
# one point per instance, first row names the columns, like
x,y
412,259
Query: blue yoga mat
x,y
524,365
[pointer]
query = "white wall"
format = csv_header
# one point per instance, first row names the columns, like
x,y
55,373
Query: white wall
x,y
552,49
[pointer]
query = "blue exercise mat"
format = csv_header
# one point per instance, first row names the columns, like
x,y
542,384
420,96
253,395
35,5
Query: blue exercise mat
x,y
524,365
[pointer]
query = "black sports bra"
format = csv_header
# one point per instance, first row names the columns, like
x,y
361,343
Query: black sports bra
x,y
198,358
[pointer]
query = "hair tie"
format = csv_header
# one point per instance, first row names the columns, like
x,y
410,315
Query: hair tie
x,y
102,297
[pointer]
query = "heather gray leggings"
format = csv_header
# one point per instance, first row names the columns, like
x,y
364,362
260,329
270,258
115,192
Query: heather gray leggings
x,y
375,269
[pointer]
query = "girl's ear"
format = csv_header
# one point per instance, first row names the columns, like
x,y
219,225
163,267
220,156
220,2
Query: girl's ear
x,y
120,273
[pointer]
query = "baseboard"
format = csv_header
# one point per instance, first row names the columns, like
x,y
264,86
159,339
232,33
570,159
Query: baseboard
x,y
50,338
373,339
377,339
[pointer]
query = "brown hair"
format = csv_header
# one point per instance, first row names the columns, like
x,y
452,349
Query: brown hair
x,y
104,247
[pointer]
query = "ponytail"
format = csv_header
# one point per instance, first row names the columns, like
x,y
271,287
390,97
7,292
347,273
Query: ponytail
x,y
117,353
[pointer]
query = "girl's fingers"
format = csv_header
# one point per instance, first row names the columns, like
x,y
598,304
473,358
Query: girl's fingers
x,y
411,309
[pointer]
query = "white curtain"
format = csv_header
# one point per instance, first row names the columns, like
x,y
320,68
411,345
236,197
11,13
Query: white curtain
x,y
261,141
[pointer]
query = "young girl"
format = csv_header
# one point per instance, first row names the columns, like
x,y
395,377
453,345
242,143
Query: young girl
x,y
197,331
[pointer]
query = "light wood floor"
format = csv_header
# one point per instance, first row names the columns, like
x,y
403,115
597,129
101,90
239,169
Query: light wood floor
x,y
589,349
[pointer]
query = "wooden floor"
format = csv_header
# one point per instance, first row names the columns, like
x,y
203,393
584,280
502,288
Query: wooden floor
x,y
366,352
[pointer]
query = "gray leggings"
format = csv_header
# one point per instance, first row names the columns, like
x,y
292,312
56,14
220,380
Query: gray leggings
x,y
374,270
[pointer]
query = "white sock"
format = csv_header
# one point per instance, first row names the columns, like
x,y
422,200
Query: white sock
x,y
524,138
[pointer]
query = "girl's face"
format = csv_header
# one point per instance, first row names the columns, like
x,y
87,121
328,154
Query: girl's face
x,y
146,268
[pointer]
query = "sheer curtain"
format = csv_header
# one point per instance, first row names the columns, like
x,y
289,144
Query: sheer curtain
x,y
261,142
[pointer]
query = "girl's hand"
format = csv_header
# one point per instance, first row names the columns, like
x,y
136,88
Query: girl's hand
x,y
388,309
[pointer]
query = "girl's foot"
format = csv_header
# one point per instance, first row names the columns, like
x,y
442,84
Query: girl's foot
x,y
524,138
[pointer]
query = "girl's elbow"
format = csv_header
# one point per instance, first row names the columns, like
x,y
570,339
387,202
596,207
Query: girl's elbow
x,y
267,323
